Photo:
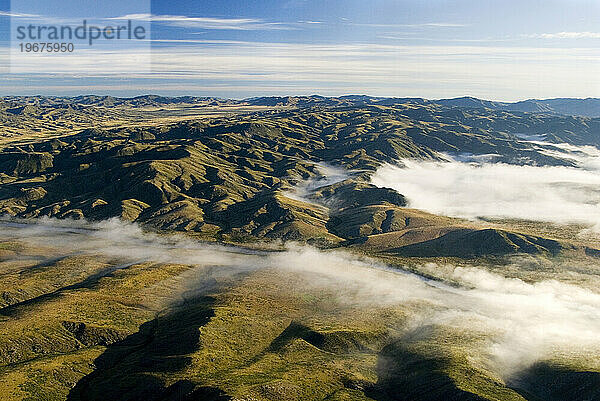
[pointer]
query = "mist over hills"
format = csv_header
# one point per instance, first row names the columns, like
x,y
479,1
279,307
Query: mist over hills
x,y
298,248
231,177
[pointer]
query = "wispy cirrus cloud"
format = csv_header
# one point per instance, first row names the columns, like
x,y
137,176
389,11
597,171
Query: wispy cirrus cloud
x,y
566,35
17,15
230,68
420,25
393,36
238,24
437,25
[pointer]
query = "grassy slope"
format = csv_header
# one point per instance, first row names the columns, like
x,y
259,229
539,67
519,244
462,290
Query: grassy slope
x,y
267,335
72,330
227,178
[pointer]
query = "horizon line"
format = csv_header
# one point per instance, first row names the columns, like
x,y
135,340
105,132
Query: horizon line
x,y
298,96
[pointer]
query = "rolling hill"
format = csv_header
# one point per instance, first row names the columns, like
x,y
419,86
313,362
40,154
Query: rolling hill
x,y
206,249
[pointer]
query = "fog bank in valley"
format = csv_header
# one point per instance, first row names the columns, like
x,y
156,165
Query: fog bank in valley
x,y
476,187
523,322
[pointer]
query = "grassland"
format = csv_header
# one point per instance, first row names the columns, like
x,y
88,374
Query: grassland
x,y
87,324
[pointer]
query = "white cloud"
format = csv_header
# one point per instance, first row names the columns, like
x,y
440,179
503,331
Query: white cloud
x,y
412,38
517,322
421,25
438,25
501,73
243,24
17,15
566,35
470,190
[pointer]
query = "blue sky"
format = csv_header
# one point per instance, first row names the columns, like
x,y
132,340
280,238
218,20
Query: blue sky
x,y
504,50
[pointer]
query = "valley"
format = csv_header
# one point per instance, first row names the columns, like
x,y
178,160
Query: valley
x,y
298,248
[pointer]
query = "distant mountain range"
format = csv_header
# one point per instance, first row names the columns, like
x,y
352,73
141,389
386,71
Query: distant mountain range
x,y
589,107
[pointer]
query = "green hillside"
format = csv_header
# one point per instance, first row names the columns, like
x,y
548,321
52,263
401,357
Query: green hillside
x,y
202,304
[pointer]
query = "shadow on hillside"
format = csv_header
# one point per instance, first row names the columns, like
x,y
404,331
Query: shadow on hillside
x,y
131,369
403,375
546,382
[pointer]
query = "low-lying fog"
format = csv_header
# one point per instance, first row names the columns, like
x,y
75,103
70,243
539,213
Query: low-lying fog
x,y
472,187
524,322
328,175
